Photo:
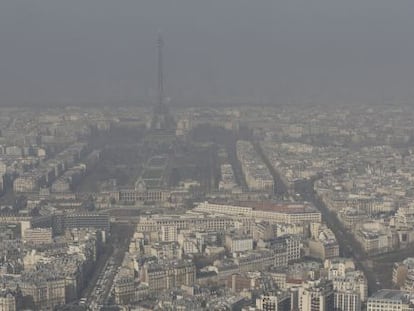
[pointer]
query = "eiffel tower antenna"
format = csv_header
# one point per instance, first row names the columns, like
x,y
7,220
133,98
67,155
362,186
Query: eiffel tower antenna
x,y
160,44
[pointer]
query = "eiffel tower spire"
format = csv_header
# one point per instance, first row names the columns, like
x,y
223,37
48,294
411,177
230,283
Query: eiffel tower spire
x,y
160,44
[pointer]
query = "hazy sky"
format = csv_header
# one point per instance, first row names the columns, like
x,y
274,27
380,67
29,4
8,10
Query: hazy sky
x,y
284,51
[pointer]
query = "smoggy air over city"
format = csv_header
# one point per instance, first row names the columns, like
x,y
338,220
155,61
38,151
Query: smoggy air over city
x,y
101,51
206,155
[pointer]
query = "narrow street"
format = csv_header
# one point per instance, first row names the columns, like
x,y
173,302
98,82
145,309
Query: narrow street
x,y
280,189
102,280
238,172
349,247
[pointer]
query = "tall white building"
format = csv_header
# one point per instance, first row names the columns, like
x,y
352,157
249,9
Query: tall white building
x,y
316,296
347,301
169,233
238,243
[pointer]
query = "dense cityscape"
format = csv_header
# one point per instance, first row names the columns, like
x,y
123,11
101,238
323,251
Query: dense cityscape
x,y
260,160
230,208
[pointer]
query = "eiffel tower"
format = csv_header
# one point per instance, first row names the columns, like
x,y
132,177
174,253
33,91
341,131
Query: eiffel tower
x,y
162,120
